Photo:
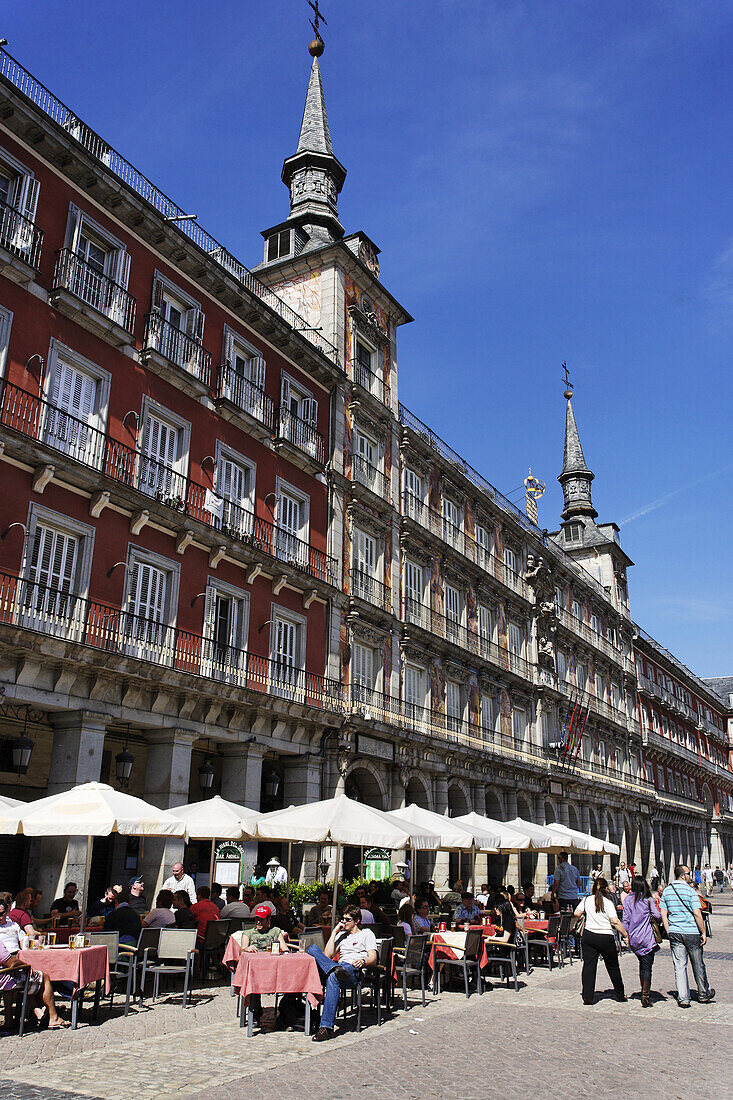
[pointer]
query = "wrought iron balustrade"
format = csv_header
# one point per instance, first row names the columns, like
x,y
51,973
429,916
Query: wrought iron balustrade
x,y
85,282
177,347
366,587
368,475
20,236
301,434
234,387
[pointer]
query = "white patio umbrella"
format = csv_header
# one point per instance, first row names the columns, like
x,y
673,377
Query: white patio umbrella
x,y
8,803
217,819
547,839
456,835
340,821
595,844
91,809
510,838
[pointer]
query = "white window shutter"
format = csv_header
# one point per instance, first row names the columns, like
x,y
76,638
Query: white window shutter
x,y
210,612
284,391
195,324
228,349
73,228
156,302
122,269
27,203
257,371
309,410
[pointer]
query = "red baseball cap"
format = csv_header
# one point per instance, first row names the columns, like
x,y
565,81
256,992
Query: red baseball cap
x,y
263,912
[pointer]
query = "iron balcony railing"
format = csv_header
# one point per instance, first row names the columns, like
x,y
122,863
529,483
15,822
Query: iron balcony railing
x,y
36,418
582,630
301,434
47,102
365,587
177,347
415,509
95,288
452,631
369,476
370,382
234,387
20,236
62,614
657,740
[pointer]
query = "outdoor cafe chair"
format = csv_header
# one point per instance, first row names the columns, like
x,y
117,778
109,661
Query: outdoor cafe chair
x,y
216,934
110,940
398,935
470,960
378,979
547,942
175,955
133,959
310,937
505,956
21,974
413,963
563,938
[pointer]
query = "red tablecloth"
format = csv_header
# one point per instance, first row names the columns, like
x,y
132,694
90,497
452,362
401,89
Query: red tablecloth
x,y
536,925
80,966
449,945
260,972
232,951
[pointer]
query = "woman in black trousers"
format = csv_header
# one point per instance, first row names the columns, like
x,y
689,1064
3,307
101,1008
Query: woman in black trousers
x,y
598,939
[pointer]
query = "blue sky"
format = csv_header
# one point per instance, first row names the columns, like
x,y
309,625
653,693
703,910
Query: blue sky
x,y
547,181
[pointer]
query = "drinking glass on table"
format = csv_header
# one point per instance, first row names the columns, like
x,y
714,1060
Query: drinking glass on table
x,y
51,939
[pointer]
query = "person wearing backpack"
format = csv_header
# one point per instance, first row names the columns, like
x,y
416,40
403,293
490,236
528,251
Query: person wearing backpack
x,y
682,918
598,940
641,919
719,879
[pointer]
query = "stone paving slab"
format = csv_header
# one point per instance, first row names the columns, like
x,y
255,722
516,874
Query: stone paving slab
x,y
452,1046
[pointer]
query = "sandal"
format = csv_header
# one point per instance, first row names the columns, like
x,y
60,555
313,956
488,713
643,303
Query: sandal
x,y
58,1026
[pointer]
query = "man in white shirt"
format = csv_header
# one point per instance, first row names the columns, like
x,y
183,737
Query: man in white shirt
x,y
707,879
178,880
622,874
234,907
357,948
276,874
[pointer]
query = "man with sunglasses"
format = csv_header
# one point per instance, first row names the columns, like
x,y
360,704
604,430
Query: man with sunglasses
x,y
683,922
357,949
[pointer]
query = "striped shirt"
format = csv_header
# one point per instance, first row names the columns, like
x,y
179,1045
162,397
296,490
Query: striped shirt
x,y
679,899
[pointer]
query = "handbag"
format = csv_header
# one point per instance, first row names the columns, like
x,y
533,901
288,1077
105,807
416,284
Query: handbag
x,y
578,928
656,923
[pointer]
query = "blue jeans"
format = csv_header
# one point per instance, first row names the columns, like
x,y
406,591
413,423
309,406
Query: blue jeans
x,y
686,945
332,992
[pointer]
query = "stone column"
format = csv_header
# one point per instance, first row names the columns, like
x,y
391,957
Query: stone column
x,y
513,870
241,782
478,805
441,866
302,785
76,757
167,776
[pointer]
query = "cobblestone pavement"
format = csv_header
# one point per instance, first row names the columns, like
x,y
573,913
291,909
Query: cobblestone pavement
x,y
542,1038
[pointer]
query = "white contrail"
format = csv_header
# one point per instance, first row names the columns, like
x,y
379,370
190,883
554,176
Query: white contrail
x,y
654,504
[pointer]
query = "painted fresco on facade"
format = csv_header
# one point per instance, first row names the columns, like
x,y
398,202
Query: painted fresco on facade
x,y
471,609
474,702
437,686
303,294
470,527
505,713
434,496
347,543
348,438
499,552
345,651
437,603
387,666
502,636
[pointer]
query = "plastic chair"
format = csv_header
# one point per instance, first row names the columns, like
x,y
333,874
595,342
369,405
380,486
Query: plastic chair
x,y
176,954
216,934
110,940
563,938
414,962
470,960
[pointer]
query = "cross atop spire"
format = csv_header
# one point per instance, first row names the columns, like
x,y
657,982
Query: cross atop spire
x,y
575,478
315,133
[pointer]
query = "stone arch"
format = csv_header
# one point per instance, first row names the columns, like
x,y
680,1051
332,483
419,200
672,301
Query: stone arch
x,y
573,817
708,799
493,804
551,812
366,784
418,791
525,808
459,798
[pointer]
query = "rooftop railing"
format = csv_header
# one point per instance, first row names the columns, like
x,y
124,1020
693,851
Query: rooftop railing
x,y
20,236
38,419
114,162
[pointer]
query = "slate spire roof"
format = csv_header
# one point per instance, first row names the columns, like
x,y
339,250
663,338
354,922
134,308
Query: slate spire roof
x,y
315,133
575,478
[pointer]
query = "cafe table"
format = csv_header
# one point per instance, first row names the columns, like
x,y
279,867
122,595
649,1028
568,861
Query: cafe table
x,y
81,966
264,973
451,945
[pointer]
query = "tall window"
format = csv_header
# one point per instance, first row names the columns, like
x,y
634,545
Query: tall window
x,y
287,642
510,559
235,485
18,202
453,707
519,723
225,636
488,714
363,667
515,634
486,620
414,689
242,378
365,460
51,578
413,495
451,521
484,543
160,458
452,612
74,405
290,527
150,607
177,326
365,565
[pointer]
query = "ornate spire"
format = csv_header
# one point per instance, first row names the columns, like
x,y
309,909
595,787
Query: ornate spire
x,y
575,477
315,133
313,174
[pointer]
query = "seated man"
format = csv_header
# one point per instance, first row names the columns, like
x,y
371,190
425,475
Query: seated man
x,y
453,897
468,910
318,913
357,948
103,906
203,911
21,911
162,916
234,907
400,893
263,896
124,920
216,896
248,897
482,899
261,938
66,905
182,910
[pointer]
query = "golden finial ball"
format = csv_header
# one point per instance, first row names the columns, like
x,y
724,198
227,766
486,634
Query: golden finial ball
x,y
568,394
316,47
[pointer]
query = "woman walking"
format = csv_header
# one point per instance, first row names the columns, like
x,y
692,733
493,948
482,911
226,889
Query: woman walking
x,y
639,909
598,939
